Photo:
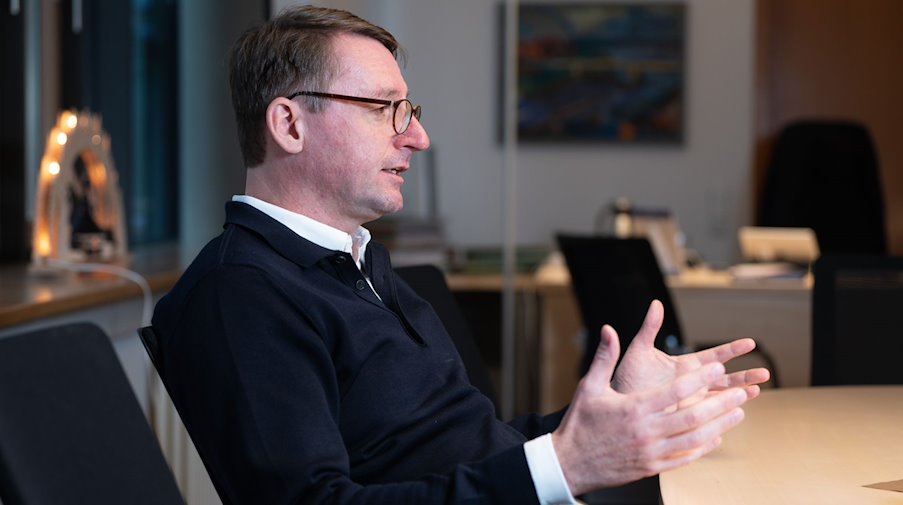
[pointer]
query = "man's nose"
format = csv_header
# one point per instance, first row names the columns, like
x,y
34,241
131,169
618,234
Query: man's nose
x,y
416,137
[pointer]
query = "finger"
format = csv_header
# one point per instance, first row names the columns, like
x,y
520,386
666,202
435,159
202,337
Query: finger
x,y
598,379
700,413
744,378
652,323
726,352
702,435
680,459
752,392
681,388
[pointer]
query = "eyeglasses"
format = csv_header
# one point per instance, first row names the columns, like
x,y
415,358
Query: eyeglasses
x,y
402,110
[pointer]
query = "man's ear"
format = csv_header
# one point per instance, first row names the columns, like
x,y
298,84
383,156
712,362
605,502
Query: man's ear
x,y
285,122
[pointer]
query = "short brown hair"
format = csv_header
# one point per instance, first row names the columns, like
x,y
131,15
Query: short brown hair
x,y
289,53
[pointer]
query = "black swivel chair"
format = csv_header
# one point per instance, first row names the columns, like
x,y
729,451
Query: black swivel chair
x,y
152,345
825,175
857,320
614,280
71,429
429,282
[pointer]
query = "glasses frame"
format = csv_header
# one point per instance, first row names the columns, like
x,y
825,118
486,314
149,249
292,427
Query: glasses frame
x,y
415,109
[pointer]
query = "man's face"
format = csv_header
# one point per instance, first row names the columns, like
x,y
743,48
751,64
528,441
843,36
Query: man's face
x,y
358,160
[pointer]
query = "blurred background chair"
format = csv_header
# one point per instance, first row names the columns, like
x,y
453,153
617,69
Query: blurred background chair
x,y
614,281
428,281
825,175
857,320
71,428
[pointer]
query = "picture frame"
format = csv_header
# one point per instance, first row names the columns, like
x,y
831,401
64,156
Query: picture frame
x,y
601,72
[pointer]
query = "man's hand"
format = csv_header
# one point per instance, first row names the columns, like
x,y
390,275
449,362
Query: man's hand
x,y
608,438
644,367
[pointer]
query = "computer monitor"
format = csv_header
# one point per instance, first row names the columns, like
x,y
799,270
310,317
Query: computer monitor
x,y
764,244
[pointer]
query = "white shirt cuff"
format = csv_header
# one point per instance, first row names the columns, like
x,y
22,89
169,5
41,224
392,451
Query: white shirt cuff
x,y
548,479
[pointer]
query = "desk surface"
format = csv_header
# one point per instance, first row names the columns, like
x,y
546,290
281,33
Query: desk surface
x,y
27,296
494,283
808,445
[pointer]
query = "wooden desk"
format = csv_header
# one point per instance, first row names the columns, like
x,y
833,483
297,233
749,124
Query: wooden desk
x,y
494,283
27,297
713,308
800,446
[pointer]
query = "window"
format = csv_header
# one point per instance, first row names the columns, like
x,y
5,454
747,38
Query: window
x,y
123,66
113,58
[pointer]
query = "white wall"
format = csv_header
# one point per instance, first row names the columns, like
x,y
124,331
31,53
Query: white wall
x,y
452,70
210,159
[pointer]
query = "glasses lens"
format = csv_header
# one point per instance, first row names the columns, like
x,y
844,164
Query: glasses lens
x,y
402,118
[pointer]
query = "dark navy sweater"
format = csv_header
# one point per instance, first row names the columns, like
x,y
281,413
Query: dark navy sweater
x,y
299,385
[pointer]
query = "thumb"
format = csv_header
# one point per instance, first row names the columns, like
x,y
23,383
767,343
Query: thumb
x,y
598,379
652,323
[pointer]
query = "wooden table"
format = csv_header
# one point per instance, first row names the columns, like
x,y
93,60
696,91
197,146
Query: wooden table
x,y
800,446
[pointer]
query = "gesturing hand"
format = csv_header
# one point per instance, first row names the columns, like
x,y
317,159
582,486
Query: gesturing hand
x,y
644,367
608,438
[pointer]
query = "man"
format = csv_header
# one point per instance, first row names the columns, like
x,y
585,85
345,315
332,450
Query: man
x,y
307,372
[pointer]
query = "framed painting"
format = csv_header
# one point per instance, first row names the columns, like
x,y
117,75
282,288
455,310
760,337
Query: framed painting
x,y
601,72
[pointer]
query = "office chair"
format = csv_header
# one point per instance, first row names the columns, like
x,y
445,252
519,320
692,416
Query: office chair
x,y
857,321
614,280
71,429
428,281
152,346
825,175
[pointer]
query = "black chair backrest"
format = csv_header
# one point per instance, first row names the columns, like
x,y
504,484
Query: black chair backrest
x,y
71,429
152,346
857,320
429,282
825,175
614,280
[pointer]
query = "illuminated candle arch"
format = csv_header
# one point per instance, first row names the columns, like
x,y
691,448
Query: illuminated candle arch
x,y
77,136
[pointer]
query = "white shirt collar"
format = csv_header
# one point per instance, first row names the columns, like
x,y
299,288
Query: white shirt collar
x,y
321,234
